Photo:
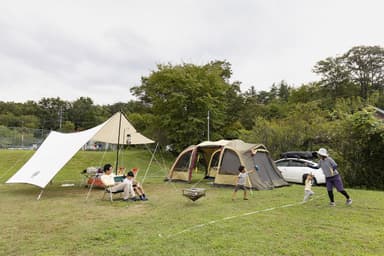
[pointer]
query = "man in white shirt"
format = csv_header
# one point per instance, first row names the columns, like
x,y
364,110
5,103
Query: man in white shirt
x,y
108,179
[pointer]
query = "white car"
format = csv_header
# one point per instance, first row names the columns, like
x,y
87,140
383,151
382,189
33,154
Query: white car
x,y
296,170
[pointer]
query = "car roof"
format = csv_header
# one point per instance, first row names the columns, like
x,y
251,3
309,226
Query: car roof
x,y
309,155
296,159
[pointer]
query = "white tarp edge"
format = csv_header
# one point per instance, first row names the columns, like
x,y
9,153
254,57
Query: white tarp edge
x,y
56,150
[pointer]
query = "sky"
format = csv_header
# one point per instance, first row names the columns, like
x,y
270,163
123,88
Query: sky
x,y
101,48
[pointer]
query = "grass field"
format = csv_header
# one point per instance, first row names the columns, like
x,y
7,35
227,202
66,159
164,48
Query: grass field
x,y
273,222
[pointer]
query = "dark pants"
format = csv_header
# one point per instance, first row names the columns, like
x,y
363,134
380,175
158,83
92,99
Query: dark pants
x,y
238,186
335,181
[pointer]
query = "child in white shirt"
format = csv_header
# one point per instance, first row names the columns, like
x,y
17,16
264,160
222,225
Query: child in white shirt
x,y
308,187
241,182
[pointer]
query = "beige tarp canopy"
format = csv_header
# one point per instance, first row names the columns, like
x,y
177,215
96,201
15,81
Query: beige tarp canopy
x,y
119,124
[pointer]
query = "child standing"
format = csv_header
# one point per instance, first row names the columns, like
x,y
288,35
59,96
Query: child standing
x,y
308,187
240,182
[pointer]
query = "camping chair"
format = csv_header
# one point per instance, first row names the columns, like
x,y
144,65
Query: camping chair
x,y
108,191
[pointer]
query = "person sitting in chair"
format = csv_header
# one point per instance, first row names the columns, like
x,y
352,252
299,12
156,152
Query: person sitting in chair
x,y
108,179
130,178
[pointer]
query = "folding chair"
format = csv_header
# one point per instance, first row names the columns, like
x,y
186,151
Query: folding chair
x,y
108,191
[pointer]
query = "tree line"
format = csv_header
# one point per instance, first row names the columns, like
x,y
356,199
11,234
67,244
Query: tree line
x,y
172,104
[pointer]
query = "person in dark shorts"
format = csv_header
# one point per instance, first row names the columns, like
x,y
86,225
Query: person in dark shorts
x,y
332,177
241,181
136,186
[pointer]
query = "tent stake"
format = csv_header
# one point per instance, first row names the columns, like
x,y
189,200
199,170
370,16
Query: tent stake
x,y
39,196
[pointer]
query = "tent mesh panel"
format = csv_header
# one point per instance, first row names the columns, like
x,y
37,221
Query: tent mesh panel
x,y
230,163
183,162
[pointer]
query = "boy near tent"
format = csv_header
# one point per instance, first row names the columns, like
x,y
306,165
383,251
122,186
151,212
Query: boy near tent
x,y
308,187
130,178
240,182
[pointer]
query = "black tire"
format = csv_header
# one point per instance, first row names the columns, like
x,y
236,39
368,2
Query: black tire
x,y
314,183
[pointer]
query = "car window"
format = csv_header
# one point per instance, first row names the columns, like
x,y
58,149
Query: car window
x,y
297,163
282,163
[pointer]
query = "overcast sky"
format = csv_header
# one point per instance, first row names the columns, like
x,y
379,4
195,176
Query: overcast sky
x,y
101,48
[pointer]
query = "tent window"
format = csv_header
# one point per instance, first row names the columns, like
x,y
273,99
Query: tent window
x,y
230,163
183,162
215,159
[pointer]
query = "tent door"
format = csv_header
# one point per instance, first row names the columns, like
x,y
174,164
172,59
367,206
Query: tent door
x,y
213,166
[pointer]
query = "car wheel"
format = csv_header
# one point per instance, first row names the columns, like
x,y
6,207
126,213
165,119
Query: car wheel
x,y
314,183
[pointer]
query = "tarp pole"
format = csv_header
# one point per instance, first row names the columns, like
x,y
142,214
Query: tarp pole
x,y
118,146
149,164
40,194
90,188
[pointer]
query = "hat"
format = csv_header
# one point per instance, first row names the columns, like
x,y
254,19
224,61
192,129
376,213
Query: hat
x,y
322,152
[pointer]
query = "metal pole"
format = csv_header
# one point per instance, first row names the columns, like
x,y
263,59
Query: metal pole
x,y
118,146
60,116
208,125
40,194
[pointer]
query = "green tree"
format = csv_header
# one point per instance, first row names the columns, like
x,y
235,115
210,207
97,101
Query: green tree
x,y
181,97
335,76
366,67
67,126
360,140
6,136
251,109
361,66
283,91
10,120
51,112
83,114
306,93
302,128
143,122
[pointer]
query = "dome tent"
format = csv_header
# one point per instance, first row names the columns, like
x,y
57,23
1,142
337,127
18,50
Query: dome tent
x,y
221,160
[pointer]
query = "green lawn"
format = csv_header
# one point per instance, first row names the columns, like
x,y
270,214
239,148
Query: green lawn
x,y
272,222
